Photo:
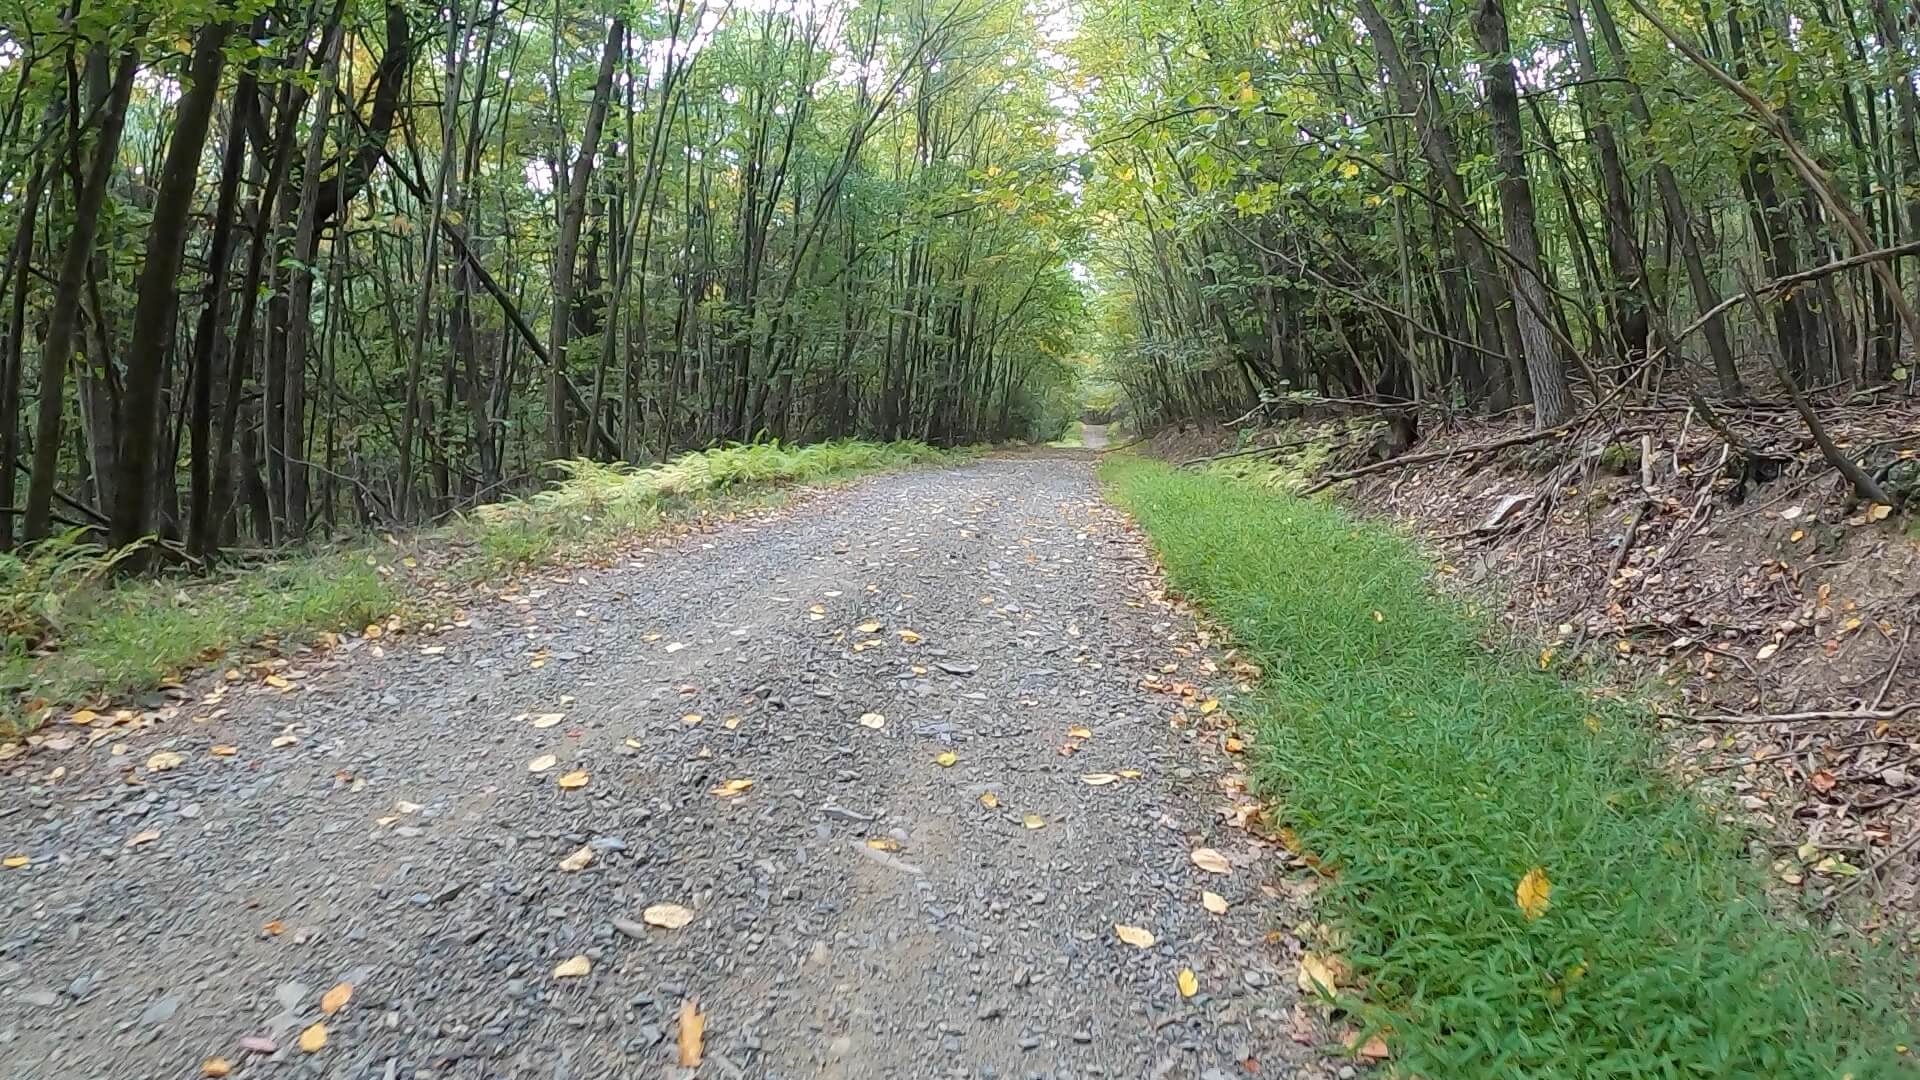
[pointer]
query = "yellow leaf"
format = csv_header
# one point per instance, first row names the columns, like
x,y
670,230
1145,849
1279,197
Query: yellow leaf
x,y
84,716
542,763
215,1068
223,751
1130,774
1213,902
731,788
1079,733
667,916
817,609
1211,861
336,999
989,800
1098,779
162,761
1349,170
1188,982
16,862
946,758
909,637
575,779
1319,974
313,1038
883,843
281,742
730,723
573,968
868,628
1209,705
873,720
547,720
1233,745
1532,893
692,719
692,1028
578,861
1034,821
1136,936
278,682
1794,537
1878,512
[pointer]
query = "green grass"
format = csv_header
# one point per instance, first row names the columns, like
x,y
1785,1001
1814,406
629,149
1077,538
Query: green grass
x,y
73,633
1431,771
1071,439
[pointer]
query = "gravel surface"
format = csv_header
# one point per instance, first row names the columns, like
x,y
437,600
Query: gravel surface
x,y
859,911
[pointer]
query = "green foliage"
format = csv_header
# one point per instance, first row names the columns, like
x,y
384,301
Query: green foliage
x,y
595,502
119,637
38,585
1432,773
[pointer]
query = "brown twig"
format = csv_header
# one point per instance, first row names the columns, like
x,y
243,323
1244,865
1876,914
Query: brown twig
x,y
1881,697
1894,713
1873,871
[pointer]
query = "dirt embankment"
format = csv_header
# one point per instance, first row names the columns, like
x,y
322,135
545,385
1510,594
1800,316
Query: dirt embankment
x,y
1737,579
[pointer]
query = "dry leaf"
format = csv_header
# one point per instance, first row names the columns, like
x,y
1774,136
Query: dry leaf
x,y
336,999
872,720
868,627
1138,937
313,1038
1878,512
162,761
273,928
1767,650
578,861
946,758
1211,861
1373,1049
1822,781
883,843
223,751
1213,902
692,719
1319,974
1079,733
572,969
281,741
1034,821
1098,779
15,862
146,836
989,800
731,788
542,763
692,1029
549,719
215,1068
1532,893
575,779
1188,982
1208,706
909,637
667,916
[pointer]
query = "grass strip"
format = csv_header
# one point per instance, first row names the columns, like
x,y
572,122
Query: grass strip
x,y
1432,772
72,632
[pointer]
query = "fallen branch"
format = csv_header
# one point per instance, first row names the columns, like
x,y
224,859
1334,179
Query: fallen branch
x,y
1248,452
1873,872
1894,713
1404,460
1135,441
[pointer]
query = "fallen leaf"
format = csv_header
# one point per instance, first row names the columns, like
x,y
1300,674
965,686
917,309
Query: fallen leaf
x,y
909,637
223,751
578,861
1373,1049
1136,936
279,682
542,763
1878,512
1188,982
548,719
730,723
1233,745
258,1044
573,968
692,1029
667,916
15,862
84,716
1208,706
692,719
1822,781
313,1038
215,1068
1211,861
1213,902
1532,893
1319,974
1079,733
1767,650
945,759
868,627
336,999
872,720
282,741
575,779
164,760
989,800
1034,821
731,788
883,843
676,646
1098,779
146,836
273,928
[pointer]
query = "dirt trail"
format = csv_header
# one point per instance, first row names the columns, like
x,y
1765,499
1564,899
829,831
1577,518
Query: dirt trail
x,y
858,912
1093,436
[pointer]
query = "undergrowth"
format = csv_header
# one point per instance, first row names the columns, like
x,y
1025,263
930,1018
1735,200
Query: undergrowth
x,y
72,632
1431,773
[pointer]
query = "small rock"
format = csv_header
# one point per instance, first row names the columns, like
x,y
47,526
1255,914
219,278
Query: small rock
x,y
160,1011
39,999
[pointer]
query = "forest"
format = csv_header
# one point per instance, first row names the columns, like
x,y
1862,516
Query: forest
x,y
277,272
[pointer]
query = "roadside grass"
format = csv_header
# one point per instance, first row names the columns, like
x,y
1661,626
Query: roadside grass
x,y
72,632
1071,439
1430,772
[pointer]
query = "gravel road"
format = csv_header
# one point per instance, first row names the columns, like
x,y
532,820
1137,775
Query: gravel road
x,y
402,814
